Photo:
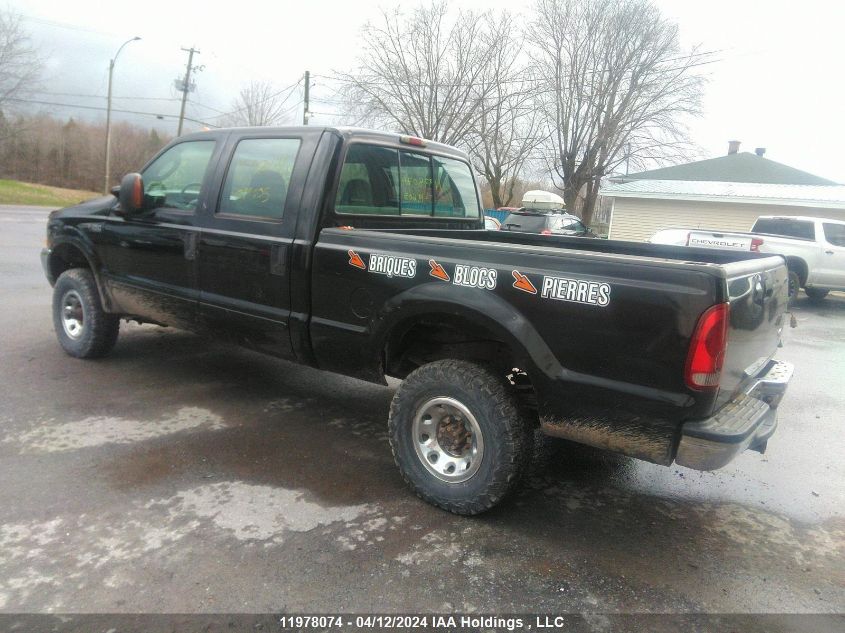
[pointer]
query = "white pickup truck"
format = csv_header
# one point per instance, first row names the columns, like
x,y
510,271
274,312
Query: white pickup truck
x,y
814,248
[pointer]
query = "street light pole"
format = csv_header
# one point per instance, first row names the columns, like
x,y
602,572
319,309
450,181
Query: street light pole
x,y
108,114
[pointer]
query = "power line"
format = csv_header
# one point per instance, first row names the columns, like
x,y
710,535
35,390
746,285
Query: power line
x,y
93,96
129,98
65,25
292,87
103,109
207,107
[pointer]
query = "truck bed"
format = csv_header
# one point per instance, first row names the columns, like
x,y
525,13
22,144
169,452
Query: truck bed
x,y
623,361
609,247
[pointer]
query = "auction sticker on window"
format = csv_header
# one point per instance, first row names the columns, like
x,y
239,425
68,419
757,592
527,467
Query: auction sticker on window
x,y
595,293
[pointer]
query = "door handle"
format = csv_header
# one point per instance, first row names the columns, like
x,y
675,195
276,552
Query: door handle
x,y
279,259
829,252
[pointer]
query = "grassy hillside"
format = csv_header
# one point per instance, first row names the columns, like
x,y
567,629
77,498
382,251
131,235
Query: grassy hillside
x,y
14,192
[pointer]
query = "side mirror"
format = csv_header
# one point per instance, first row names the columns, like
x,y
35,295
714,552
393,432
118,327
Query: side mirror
x,y
131,194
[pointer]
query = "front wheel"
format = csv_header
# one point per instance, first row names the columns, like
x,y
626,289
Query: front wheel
x,y
83,328
458,436
816,294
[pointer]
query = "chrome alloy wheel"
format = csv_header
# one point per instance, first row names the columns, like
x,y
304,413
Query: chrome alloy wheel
x,y
73,314
448,440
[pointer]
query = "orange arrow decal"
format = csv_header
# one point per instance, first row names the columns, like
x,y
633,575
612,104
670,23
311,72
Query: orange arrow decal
x,y
355,260
523,283
438,271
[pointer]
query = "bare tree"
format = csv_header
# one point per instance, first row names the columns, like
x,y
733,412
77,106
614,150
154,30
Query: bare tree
x,y
20,64
427,72
68,153
260,103
616,84
508,128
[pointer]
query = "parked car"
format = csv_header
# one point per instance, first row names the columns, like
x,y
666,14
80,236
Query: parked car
x,y
814,248
545,223
256,236
491,223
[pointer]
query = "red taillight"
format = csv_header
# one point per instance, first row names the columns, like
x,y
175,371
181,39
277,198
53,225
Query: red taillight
x,y
545,232
756,243
707,349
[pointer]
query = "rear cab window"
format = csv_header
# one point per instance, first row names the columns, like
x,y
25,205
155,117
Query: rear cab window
x,y
376,180
785,227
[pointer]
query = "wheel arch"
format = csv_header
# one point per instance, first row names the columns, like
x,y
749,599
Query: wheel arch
x,y
799,266
425,324
72,253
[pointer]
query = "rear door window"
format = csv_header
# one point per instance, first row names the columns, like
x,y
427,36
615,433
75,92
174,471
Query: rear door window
x,y
834,233
257,180
572,226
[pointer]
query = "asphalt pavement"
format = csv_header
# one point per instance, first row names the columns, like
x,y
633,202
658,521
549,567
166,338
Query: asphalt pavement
x,y
181,475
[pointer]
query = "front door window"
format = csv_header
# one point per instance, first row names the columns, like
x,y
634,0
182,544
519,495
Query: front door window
x,y
175,178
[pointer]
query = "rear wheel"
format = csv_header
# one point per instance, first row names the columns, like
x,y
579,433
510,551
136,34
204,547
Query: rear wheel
x,y
83,328
458,436
816,294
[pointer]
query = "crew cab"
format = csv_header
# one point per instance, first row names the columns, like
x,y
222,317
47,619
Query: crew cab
x,y
364,253
814,248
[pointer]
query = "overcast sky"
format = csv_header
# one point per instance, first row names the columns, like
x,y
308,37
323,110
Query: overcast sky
x,y
778,83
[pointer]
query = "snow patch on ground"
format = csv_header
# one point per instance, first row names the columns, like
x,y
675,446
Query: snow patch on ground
x,y
101,430
438,545
52,563
252,512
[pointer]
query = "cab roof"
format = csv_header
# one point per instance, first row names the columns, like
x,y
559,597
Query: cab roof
x,y
346,133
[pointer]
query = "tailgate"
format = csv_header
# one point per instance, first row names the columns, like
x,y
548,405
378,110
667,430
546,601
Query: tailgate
x,y
758,295
729,241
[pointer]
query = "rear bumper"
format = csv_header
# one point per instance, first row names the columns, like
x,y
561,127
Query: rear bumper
x,y
746,422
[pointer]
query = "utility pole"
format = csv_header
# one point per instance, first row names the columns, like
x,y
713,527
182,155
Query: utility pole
x,y
186,85
305,113
108,115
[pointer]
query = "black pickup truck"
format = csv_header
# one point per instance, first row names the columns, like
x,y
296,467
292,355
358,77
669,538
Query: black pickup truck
x,y
364,253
